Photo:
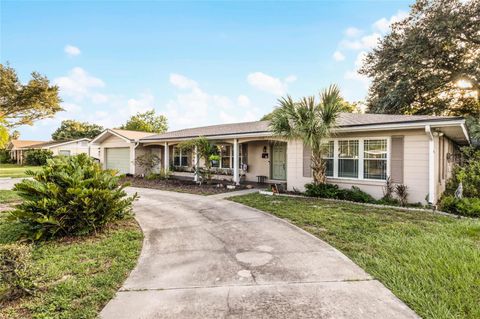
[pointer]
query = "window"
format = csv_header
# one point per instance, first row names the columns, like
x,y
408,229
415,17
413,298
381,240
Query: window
x,y
226,156
328,157
64,152
375,159
180,157
348,158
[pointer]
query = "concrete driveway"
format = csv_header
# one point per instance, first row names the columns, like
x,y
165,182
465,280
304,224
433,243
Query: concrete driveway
x,y
211,258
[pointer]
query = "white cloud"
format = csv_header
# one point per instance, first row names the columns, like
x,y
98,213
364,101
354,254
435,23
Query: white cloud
x,y
72,50
366,42
383,25
243,101
270,84
71,107
182,82
352,32
141,105
78,84
338,56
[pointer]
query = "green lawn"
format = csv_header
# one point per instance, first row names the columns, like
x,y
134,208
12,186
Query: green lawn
x,y
13,170
76,276
8,196
429,261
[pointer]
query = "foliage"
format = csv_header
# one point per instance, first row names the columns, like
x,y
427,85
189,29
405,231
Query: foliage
x,y
417,67
310,122
388,189
4,136
22,104
473,125
354,194
75,278
16,272
429,261
402,194
206,151
73,130
5,156
37,157
70,196
8,196
163,175
468,173
147,122
469,207
148,161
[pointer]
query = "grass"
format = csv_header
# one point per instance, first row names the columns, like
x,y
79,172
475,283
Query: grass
x,y
429,261
8,196
14,170
76,277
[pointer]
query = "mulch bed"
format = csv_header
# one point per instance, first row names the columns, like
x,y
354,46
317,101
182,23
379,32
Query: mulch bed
x,y
183,186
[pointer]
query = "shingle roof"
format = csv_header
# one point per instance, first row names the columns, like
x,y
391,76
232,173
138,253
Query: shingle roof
x,y
25,143
132,135
345,120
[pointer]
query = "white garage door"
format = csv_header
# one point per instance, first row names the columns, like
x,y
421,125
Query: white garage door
x,y
118,158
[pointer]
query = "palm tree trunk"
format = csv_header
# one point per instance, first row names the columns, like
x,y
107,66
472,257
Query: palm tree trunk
x,y
318,169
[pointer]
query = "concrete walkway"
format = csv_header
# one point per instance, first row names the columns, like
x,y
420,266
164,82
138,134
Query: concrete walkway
x,y
210,258
8,183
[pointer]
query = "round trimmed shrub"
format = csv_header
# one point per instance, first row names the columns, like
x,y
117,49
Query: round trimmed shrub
x,y
70,196
37,157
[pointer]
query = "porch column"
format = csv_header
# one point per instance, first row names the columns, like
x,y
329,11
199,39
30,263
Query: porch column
x,y
236,177
195,163
166,158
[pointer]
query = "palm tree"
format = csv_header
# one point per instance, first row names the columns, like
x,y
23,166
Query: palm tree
x,y
310,122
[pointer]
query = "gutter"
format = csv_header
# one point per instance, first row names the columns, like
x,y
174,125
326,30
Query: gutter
x,y
431,165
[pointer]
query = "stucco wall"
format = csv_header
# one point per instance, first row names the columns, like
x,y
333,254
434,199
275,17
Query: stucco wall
x,y
415,165
256,164
74,148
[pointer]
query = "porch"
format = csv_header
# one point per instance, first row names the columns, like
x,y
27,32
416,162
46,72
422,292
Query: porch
x,y
258,160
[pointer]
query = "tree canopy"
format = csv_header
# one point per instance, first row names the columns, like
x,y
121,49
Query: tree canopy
x,y
72,130
148,121
429,63
22,104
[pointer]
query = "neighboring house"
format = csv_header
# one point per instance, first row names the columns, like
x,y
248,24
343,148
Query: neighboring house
x,y
18,148
117,149
366,149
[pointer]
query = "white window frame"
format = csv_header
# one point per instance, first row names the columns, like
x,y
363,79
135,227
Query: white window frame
x,y
361,148
330,157
180,156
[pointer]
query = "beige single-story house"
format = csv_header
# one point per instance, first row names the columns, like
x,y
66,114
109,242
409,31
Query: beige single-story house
x,y
118,149
18,148
366,149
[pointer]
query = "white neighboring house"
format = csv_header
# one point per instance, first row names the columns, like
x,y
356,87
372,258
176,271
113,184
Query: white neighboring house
x,y
118,149
18,148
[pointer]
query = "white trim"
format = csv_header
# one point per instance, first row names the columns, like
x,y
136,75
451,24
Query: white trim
x,y
111,132
166,158
67,142
431,165
236,176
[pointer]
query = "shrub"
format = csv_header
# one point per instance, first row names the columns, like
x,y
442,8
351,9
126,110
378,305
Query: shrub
x,y
333,191
469,207
468,174
148,162
5,157
16,272
402,193
37,157
70,196
161,176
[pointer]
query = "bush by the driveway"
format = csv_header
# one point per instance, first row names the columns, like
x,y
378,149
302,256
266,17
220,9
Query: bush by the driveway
x,y
70,196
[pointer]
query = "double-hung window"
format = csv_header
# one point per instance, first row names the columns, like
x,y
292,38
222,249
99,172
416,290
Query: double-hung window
x,y
328,157
226,156
375,159
348,158
180,157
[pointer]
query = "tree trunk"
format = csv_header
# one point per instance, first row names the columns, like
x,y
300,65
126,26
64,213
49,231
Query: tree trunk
x,y
318,169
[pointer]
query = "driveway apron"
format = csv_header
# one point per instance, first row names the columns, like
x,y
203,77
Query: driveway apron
x,y
206,257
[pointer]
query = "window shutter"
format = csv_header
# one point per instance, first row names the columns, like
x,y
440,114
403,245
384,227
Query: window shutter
x,y
396,160
307,161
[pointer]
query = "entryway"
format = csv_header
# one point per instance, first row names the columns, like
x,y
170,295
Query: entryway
x,y
279,161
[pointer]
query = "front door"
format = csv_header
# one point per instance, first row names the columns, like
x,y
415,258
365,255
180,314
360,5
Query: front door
x,y
279,161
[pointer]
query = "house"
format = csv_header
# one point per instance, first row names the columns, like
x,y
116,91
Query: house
x,y
417,151
117,149
18,148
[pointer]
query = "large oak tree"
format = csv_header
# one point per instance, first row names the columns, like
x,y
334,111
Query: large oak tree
x,y
148,121
72,130
430,62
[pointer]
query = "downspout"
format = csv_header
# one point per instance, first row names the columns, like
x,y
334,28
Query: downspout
x,y
431,166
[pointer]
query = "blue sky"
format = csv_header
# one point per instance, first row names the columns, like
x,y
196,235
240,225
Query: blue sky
x,y
199,63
